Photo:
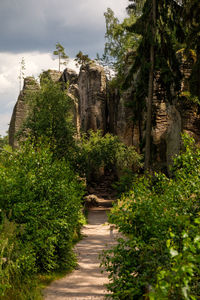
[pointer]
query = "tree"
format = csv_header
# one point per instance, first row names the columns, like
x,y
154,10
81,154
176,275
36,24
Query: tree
x,y
190,24
150,88
81,59
3,141
50,118
120,43
155,57
21,73
62,57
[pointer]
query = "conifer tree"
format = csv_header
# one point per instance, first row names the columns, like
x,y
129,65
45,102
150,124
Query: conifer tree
x,y
81,59
191,25
156,53
62,56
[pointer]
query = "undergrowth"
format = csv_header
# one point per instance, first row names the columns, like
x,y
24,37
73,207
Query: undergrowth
x,y
159,217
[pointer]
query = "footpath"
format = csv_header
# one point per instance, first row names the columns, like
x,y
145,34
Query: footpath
x,y
87,282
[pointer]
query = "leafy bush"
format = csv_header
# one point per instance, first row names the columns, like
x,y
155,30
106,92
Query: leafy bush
x,y
42,196
50,116
17,265
179,279
146,215
96,151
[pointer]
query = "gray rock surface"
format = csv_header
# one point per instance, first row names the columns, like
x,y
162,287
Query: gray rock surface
x,y
20,110
92,102
96,106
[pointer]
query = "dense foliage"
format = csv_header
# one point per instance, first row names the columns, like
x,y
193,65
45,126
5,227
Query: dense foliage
x,y
159,219
96,151
50,116
3,141
42,197
143,50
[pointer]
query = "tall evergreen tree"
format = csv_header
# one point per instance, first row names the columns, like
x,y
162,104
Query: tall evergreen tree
x,y
155,54
62,56
191,25
150,87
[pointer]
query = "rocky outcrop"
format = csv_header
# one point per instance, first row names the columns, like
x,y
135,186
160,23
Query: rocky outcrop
x,y
169,120
92,92
96,106
53,75
88,92
70,80
69,76
121,120
20,110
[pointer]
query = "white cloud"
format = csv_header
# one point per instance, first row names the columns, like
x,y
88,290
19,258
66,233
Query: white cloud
x,y
4,83
4,121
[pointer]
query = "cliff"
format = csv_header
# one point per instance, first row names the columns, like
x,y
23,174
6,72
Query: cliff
x,y
21,109
96,106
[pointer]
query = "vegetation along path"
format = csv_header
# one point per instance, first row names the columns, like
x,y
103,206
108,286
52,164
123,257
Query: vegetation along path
x,y
87,281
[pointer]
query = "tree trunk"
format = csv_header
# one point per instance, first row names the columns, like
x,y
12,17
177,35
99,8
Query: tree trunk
x,y
150,92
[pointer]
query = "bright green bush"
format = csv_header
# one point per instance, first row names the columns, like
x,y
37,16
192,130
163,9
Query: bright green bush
x,y
17,265
181,277
50,116
154,207
42,196
96,151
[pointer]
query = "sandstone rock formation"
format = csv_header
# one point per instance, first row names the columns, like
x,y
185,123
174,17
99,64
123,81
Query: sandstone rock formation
x,y
169,120
70,80
96,106
121,120
92,102
20,110
88,91
53,75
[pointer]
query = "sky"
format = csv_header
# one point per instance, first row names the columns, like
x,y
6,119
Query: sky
x,y
30,29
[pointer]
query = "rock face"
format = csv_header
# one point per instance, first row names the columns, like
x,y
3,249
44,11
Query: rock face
x,y
20,110
92,102
69,76
97,107
169,120
53,75
70,79
121,120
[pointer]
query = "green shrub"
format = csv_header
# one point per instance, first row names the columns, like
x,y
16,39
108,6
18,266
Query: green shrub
x,y
96,151
154,207
181,277
44,196
50,116
17,265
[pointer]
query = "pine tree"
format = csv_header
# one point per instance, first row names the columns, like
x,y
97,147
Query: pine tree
x,y
155,54
62,57
191,25
81,59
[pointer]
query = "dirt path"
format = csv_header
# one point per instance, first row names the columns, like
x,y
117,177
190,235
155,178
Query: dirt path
x,y
86,282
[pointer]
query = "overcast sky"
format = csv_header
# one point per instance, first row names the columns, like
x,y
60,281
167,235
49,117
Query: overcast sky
x,y
31,28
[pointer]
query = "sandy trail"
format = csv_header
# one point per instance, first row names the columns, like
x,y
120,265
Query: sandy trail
x,y
87,281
